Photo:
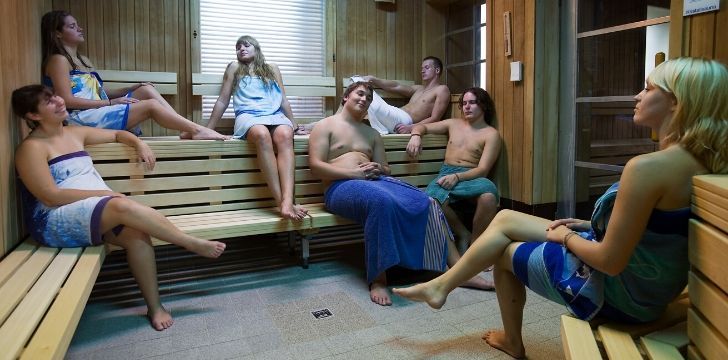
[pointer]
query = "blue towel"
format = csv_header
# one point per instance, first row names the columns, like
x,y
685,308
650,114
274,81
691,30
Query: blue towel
x,y
402,225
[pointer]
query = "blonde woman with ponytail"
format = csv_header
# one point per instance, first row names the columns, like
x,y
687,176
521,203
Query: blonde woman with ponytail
x,y
263,116
631,259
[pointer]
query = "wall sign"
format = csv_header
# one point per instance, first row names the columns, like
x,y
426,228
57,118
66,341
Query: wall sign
x,y
692,7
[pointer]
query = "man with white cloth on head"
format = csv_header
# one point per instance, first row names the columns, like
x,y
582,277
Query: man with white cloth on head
x,y
428,102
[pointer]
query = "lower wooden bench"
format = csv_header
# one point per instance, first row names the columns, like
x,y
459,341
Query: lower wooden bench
x,y
665,338
214,189
43,292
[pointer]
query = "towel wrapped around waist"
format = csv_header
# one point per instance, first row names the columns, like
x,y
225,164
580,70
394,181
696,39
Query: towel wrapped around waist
x,y
463,189
402,225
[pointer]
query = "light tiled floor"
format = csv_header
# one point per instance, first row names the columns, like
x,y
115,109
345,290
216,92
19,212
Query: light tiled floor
x,y
245,317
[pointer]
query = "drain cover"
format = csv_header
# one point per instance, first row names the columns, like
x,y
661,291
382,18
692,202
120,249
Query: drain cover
x,y
320,314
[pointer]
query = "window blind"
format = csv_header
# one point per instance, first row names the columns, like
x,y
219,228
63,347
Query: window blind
x,y
290,33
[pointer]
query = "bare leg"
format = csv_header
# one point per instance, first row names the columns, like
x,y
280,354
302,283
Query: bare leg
x,y
476,282
485,210
378,290
146,92
146,109
511,300
267,162
462,235
149,221
140,256
508,226
283,140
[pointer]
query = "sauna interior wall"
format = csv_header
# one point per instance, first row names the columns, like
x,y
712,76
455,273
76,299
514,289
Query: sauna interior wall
x,y
19,65
386,40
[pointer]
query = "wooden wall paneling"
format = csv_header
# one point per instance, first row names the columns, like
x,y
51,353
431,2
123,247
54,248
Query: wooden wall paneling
x,y
523,102
391,65
702,42
142,59
497,60
111,35
401,42
184,76
127,35
382,39
19,67
330,38
171,51
95,28
721,28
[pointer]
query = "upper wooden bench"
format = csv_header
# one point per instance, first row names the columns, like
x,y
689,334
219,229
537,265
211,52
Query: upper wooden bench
x,y
164,82
210,84
214,189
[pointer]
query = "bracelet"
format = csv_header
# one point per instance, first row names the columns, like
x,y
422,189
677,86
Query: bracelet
x,y
457,176
567,237
415,134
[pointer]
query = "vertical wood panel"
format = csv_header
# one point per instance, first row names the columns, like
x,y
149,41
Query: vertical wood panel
x,y
20,66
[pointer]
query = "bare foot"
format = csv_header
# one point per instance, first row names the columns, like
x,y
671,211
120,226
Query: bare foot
x,y
427,292
160,318
498,340
290,211
300,210
478,283
378,294
208,249
203,133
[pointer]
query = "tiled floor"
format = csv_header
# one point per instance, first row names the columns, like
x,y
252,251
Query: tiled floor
x,y
244,317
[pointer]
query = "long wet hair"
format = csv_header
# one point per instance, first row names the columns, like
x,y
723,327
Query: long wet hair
x,y
52,22
484,102
261,69
700,120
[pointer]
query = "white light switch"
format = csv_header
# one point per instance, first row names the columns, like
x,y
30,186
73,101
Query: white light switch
x,y
516,71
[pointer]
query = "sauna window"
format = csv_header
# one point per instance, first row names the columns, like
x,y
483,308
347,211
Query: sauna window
x,y
465,44
290,33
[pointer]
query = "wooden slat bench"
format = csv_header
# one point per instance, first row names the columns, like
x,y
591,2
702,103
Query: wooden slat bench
x,y
164,82
214,189
43,293
305,86
707,281
664,338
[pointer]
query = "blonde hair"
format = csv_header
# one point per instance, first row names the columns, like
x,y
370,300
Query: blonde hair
x,y
700,120
260,67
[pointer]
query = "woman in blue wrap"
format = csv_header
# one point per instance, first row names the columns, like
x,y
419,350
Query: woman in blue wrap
x,y
72,77
67,203
630,260
263,116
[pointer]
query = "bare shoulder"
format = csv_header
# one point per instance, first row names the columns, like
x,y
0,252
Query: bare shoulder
x,y
442,90
58,61
31,147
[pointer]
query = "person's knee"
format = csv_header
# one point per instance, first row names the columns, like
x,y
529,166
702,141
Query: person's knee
x,y
121,206
147,91
503,218
487,202
283,136
259,135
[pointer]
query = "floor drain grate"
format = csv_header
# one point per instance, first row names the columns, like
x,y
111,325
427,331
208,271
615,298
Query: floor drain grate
x,y
320,314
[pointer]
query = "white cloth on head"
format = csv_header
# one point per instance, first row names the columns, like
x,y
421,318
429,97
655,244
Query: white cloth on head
x,y
382,116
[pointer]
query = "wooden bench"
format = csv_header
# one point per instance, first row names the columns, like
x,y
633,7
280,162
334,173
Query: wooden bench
x,y
304,86
164,82
44,291
214,189
664,338
707,281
